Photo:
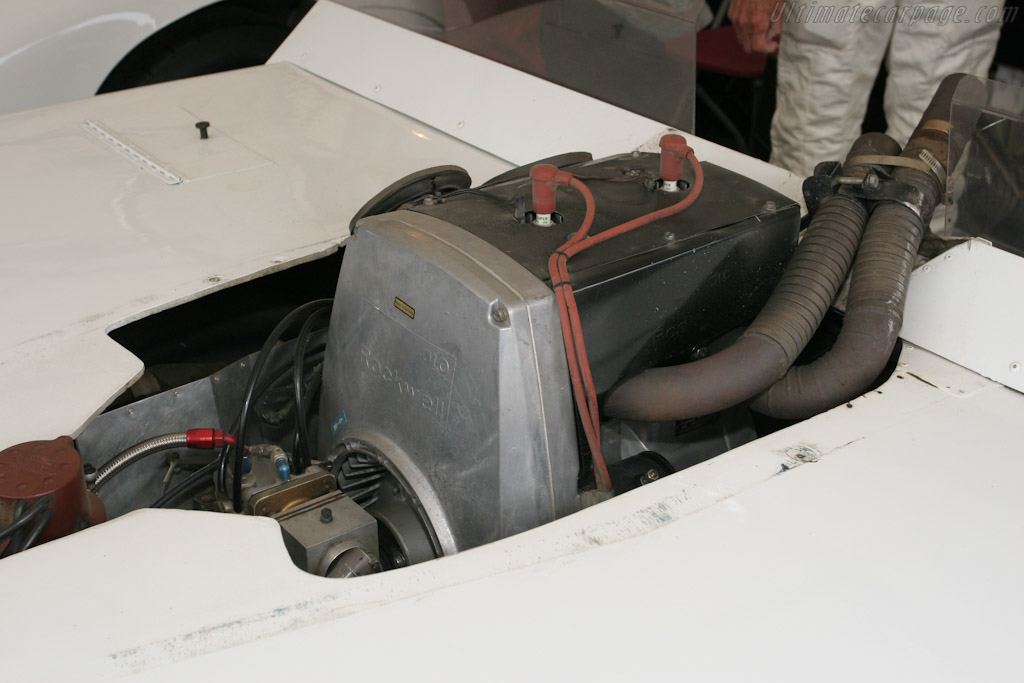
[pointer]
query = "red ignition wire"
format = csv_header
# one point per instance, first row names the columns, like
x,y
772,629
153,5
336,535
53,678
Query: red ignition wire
x,y
569,317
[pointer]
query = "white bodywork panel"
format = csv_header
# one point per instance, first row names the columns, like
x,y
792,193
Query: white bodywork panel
x,y
966,305
880,540
138,214
62,50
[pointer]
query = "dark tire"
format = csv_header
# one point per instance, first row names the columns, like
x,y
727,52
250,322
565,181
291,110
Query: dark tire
x,y
218,38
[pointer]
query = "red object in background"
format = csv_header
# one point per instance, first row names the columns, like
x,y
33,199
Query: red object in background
x,y
30,470
719,51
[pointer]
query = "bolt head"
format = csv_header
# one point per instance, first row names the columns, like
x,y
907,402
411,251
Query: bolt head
x,y
326,516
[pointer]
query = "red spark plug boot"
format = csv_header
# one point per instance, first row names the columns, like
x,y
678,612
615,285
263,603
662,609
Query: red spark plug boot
x,y
208,438
674,151
546,179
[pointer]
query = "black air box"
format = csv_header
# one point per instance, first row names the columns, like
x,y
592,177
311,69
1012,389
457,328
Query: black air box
x,y
657,295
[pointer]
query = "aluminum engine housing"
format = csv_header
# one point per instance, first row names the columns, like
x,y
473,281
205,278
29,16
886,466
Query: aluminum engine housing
x,y
445,361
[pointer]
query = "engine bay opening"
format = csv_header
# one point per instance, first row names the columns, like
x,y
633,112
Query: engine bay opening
x,y
196,339
468,368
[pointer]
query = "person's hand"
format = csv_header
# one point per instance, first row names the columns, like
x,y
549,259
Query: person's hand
x,y
758,24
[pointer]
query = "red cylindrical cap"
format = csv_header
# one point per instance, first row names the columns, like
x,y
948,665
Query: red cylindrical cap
x,y
208,438
546,178
30,470
673,151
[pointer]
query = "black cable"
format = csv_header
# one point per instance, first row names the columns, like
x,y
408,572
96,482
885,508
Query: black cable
x,y
250,390
222,459
19,510
309,398
300,452
280,373
33,511
186,484
315,353
312,392
20,522
37,530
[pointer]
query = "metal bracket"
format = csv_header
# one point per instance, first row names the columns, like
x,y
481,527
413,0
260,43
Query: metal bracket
x,y
820,186
877,186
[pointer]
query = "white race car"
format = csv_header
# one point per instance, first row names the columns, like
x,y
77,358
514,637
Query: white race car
x,y
68,49
386,360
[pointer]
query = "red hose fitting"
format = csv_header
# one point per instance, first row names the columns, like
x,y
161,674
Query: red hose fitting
x,y
546,178
674,151
208,438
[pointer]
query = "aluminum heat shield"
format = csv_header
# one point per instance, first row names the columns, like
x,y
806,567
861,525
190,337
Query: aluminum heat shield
x,y
446,356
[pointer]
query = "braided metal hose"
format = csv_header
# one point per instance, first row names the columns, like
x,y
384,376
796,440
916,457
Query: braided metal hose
x,y
136,453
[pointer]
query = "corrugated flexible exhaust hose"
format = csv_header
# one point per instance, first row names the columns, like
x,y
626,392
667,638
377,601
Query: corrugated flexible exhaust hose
x,y
874,315
878,282
766,350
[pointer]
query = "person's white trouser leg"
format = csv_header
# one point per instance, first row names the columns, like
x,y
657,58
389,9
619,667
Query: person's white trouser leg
x,y
827,66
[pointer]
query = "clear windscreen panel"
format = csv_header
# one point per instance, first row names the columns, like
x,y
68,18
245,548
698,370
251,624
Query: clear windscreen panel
x,y
637,54
986,187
